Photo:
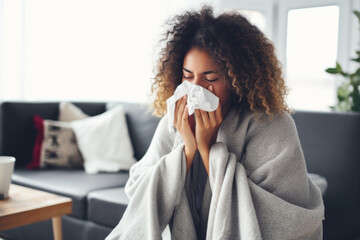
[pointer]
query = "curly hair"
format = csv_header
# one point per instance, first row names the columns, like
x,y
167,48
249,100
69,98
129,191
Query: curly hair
x,y
245,55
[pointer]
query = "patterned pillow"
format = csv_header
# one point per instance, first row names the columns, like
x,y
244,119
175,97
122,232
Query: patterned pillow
x,y
55,145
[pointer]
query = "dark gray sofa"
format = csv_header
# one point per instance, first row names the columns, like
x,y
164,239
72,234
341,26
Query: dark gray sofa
x,y
99,199
329,140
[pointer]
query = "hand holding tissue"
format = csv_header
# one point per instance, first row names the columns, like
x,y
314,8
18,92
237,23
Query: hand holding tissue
x,y
198,98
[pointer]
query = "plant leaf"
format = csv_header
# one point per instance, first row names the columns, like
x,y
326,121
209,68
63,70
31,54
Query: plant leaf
x,y
343,92
344,74
356,59
338,68
355,78
331,70
357,14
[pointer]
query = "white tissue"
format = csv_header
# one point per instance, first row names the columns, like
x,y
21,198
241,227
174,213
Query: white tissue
x,y
198,98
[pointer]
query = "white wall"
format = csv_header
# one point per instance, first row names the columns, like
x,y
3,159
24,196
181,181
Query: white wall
x,y
104,49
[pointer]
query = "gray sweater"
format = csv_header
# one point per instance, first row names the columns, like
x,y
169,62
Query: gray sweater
x,y
258,187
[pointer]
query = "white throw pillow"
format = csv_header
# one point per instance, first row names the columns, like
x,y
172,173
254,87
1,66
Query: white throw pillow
x,y
69,112
104,142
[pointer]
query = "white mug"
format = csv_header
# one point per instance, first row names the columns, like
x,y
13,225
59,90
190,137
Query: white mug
x,y
6,171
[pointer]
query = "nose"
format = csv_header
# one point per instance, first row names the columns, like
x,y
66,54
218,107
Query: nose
x,y
199,81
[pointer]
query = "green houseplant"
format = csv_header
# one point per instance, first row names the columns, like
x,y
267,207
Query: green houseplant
x,y
348,94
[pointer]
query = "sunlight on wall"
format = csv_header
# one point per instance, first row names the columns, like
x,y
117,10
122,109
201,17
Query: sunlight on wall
x,y
89,50
11,83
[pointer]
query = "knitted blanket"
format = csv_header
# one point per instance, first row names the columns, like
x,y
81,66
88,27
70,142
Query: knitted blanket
x,y
257,188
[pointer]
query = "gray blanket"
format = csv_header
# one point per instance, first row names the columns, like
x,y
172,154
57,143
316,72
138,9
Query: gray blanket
x,y
258,187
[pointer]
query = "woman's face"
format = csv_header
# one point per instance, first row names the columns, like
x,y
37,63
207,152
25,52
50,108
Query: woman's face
x,y
199,68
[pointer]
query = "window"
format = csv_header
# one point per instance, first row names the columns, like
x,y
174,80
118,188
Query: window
x,y
312,40
308,41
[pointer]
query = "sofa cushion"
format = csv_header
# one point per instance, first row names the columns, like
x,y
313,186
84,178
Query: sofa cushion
x,y
331,148
330,142
74,183
17,135
141,124
107,206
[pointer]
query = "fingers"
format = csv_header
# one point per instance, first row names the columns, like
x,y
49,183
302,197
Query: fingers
x,y
179,110
209,119
218,115
205,118
212,118
176,111
185,115
198,118
181,121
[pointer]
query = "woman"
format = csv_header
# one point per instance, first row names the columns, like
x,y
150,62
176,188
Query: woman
x,y
235,173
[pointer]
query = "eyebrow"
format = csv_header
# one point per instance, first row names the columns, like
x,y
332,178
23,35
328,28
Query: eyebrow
x,y
206,72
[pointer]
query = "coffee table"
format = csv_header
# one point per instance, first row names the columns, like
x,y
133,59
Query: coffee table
x,y
26,205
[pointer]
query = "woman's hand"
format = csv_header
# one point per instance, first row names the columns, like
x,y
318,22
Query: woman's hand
x,y
207,126
181,123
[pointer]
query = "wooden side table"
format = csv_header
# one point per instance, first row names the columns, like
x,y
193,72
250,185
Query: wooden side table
x,y
26,205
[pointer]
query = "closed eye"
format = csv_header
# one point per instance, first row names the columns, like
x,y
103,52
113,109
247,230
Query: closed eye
x,y
212,80
209,80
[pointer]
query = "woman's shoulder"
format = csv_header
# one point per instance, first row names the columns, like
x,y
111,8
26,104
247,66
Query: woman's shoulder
x,y
277,126
262,118
260,121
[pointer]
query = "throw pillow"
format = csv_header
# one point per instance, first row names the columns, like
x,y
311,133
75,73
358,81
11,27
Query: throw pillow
x,y
55,145
104,142
69,112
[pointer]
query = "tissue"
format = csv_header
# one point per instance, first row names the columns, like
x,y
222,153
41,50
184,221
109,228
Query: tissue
x,y
198,98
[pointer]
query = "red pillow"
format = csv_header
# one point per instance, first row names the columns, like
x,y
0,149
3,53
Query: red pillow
x,y
55,145
39,126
